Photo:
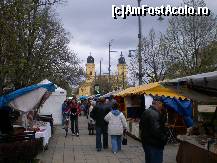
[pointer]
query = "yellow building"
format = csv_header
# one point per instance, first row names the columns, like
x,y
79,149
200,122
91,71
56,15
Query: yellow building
x,y
117,81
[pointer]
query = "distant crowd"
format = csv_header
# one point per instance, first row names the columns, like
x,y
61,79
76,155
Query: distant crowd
x,y
105,118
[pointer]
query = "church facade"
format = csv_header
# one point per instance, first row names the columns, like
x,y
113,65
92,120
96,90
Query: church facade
x,y
103,83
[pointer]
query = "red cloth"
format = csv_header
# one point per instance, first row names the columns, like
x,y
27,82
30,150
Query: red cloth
x,y
78,109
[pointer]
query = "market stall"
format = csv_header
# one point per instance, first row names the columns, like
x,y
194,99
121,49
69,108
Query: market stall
x,y
21,137
53,105
201,144
137,99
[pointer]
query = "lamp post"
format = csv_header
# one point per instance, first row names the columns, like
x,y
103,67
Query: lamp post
x,y
109,68
140,74
123,77
140,46
123,80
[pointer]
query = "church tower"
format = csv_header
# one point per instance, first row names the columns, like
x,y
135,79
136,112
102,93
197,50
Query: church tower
x,y
90,69
86,88
122,70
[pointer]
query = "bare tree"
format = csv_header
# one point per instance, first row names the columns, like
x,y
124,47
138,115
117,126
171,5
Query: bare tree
x,y
189,38
155,53
154,58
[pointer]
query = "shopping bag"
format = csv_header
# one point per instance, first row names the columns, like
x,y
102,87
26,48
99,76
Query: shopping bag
x,y
124,140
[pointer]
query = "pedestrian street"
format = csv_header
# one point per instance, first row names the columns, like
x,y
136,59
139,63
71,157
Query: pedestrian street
x,y
82,149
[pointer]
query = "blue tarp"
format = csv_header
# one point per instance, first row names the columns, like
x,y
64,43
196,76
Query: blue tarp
x,y
83,97
4,100
182,107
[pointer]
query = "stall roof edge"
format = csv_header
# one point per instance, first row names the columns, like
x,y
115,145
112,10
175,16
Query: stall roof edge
x,y
200,87
208,75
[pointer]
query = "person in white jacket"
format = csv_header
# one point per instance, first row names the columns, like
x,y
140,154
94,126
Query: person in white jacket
x,y
117,125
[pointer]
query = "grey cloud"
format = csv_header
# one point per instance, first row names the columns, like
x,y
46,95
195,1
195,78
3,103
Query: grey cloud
x,y
92,26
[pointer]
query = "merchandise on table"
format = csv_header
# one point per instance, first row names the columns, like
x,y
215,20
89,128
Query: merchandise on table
x,y
202,141
42,130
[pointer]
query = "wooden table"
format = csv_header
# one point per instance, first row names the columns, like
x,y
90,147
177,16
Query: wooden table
x,y
191,153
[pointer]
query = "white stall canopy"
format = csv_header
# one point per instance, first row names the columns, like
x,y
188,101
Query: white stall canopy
x,y
54,105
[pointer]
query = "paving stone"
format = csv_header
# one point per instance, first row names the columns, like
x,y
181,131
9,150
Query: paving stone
x,y
91,161
58,157
82,149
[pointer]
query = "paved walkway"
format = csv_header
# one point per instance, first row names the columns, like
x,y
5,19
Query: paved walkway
x,y
81,149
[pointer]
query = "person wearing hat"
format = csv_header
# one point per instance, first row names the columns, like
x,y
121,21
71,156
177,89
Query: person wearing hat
x,y
153,131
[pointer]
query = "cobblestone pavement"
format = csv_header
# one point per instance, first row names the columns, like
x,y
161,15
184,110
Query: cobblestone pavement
x,y
81,149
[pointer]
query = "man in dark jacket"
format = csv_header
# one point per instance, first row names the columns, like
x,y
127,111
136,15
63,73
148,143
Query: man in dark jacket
x,y
153,132
98,113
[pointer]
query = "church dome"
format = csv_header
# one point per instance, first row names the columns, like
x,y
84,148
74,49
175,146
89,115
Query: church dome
x,y
90,59
121,60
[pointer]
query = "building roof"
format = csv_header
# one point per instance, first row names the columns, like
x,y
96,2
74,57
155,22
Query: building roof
x,y
90,59
121,60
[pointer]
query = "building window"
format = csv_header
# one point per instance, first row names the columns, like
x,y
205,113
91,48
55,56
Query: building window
x,y
91,73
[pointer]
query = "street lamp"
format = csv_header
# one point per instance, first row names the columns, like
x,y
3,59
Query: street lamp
x,y
140,75
130,53
123,71
110,51
160,18
140,46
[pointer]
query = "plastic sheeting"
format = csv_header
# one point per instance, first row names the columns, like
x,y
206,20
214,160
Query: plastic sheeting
x,y
83,97
28,101
26,98
53,105
182,107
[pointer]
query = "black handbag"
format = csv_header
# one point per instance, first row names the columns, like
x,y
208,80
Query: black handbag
x,y
124,140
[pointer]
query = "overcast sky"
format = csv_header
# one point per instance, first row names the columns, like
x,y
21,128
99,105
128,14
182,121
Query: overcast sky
x,y
91,26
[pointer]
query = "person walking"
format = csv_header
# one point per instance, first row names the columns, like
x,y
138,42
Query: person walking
x,y
74,113
82,107
110,101
98,113
87,105
116,127
66,124
91,122
153,132
64,108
